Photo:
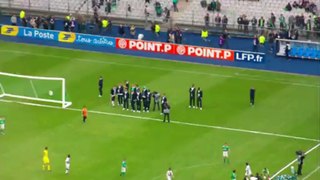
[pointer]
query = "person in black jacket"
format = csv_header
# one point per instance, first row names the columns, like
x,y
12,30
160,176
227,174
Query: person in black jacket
x,y
254,23
199,98
287,50
100,84
133,99
144,99
192,97
125,100
121,30
271,40
301,157
240,23
120,95
252,96
113,95
163,102
166,112
139,97
148,100
127,85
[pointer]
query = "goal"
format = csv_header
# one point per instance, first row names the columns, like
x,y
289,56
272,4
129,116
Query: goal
x,y
34,88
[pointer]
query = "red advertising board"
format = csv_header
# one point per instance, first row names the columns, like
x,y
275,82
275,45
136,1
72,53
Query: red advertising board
x,y
182,50
212,53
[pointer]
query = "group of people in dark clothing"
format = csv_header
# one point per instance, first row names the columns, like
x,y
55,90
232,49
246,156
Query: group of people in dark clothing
x,y
303,4
193,94
139,99
174,35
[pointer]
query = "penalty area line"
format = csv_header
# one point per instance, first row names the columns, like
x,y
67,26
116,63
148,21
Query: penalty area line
x,y
311,173
173,122
34,89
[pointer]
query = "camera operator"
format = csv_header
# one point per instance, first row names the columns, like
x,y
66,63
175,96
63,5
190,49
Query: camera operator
x,y
301,157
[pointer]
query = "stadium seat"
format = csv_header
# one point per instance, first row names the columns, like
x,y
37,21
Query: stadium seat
x,y
294,52
301,53
48,5
312,53
192,13
234,8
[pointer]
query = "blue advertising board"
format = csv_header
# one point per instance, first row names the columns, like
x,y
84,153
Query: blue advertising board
x,y
95,40
245,56
38,34
60,36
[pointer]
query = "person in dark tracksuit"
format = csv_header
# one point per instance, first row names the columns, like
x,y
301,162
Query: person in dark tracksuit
x,y
156,100
144,99
192,96
113,95
148,100
252,96
100,84
139,97
287,50
199,98
300,164
127,85
120,95
137,88
166,112
163,101
133,99
125,100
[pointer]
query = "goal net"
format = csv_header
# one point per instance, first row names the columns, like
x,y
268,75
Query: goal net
x,y
34,88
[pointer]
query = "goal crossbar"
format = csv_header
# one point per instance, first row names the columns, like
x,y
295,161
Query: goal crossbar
x,y
63,101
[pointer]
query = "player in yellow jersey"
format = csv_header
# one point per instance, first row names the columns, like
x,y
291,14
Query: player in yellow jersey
x,y
45,160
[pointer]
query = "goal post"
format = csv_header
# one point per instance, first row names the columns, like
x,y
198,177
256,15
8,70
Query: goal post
x,y
34,88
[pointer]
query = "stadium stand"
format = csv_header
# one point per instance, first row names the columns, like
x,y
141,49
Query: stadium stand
x,y
119,9
195,13
47,5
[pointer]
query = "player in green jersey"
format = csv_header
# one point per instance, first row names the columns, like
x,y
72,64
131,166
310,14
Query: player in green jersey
x,y
265,173
2,125
233,175
225,153
123,168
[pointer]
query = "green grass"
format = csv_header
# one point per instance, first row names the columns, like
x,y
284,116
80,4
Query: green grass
x,y
286,104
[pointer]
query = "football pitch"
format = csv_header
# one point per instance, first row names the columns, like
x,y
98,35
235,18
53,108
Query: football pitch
x,y
285,119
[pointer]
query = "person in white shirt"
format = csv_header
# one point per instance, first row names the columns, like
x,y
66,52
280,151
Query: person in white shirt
x,y
248,171
169,174
68,163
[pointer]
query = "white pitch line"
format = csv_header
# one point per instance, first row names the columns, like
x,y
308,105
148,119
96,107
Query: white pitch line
x,y
34,89
154,58
310,150
173,122
236,75
311,173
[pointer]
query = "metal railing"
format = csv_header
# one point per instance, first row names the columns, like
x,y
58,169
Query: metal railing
x,y
66,6
193,23
248,30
